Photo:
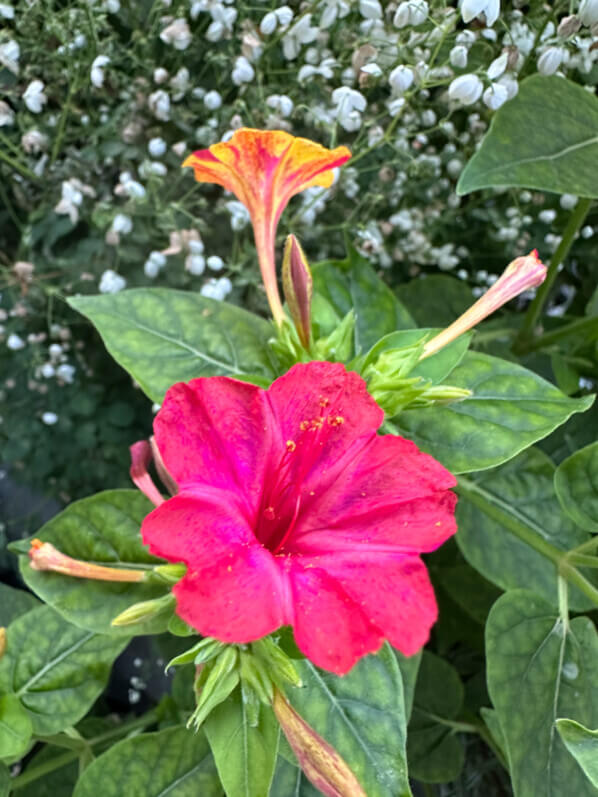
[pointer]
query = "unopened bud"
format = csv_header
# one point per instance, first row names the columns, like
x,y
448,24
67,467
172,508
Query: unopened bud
x,y
141,456
214,684
297,284
44,556
320,762
145,610
279,665
520,275
2,642
568,26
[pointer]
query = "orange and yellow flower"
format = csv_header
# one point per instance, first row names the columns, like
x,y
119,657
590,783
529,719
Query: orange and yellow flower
x,y
264,169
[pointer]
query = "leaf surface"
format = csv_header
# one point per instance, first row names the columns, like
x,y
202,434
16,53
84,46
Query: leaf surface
x,y
582,743
576,485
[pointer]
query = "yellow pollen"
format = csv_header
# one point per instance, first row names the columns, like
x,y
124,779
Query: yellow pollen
x,y
269,513
291,445
304,425
324,402
335,420
316,423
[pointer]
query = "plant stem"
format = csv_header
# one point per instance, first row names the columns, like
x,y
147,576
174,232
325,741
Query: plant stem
x,y
34,773
586,328
534,310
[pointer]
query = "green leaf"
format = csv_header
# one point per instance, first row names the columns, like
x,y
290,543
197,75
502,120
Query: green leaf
x,y
362,715
175,762
16,727
4,780
468,589
434,752
409,667
539,670
163,336
510,409
103,529
436,299
14,603
245,756
544,138
55,669
353,284
576,485
492,722
522,493
583,746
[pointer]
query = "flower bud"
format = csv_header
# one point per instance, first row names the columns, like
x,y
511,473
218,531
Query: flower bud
x,y
458,56
401,78
588,12
523,273
297,284
214,684
2,641
550,60
44,556
320,762
145,610
466,89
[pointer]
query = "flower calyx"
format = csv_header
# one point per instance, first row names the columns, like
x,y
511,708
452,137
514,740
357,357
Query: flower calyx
x,y
297,284
145,610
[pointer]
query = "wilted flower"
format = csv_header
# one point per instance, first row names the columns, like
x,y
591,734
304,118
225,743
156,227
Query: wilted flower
x,y
33,141
264,169
177,34
291,510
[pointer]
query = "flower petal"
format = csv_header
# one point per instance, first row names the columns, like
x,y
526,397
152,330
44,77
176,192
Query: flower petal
x,y
330,627
393,592
390,496
216,431
233,589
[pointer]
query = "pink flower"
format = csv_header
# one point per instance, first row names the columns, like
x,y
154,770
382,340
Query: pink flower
x,y
291,510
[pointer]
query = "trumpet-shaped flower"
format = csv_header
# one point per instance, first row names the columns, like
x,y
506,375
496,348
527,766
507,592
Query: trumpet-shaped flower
x,y
291,510
264,169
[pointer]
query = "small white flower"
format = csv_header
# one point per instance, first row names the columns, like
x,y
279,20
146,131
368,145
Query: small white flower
x,y
458,56
511,85
588,12
568,201
160,75
300,33
111,282
473,8
239,214
66,372
7,11
243,72
159,104
97,70
349,106
47,370
284,15
281,103
14,342
156,147
49,418
9,55
196,246
550,60
215,263
212,100
370,9
498,66
217,289
222,23
466,89
371,69
333,10
55,351
269,23
34,97
112,6
122,224
195,264
152,266
547,216
495,95
401,78
411,12
177,34
7,115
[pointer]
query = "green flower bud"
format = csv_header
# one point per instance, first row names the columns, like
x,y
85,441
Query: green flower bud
x,y
146,610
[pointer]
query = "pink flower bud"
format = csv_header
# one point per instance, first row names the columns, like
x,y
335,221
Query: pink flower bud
x,y
297,284
523,273
44,556
2,642
320,762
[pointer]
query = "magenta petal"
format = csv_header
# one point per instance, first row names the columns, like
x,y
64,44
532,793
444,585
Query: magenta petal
x,y
233,590
389,496
216,432
393,591
330,627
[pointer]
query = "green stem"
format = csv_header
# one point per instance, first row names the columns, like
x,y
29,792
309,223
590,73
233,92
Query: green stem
x,y
582,560
586,328
534,310
17,166
34,773
588,545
